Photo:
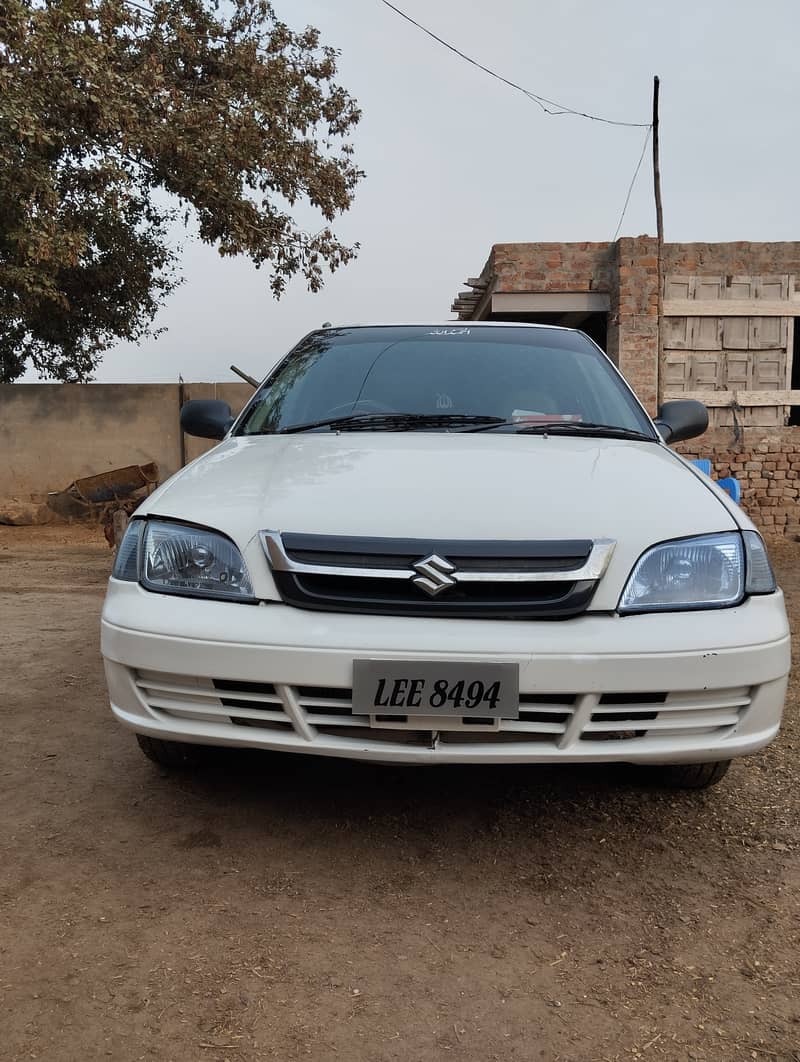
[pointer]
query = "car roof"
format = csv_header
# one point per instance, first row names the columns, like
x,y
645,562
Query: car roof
x,y
449,324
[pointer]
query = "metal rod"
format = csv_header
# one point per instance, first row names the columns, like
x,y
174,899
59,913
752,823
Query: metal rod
x,y
248,379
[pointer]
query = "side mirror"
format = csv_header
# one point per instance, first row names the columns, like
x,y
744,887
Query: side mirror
x,y
207,418
682,419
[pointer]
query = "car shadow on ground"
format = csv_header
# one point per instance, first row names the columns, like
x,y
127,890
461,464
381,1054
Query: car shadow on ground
x,y
314,793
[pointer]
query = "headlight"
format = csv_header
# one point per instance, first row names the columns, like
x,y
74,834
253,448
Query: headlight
x,y
703,572
177,559
760,578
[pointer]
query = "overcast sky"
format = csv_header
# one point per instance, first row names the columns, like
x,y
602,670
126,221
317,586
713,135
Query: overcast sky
x,y
456,161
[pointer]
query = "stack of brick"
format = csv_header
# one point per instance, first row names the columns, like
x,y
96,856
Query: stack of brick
x,y
768,468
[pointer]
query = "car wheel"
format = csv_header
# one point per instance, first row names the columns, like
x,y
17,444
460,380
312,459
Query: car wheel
x,y
174,754
693,775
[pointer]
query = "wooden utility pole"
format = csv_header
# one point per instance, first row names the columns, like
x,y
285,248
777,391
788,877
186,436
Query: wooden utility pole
x,y
181,436
660,249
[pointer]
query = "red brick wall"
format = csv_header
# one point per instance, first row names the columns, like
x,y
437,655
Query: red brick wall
x,y
732,258
627,271
767,464
636,313
766,461
544,267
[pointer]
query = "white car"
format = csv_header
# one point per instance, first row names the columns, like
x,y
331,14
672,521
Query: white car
x,y
431,544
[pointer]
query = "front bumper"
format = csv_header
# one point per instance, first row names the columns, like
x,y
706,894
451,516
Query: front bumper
x,y
669,688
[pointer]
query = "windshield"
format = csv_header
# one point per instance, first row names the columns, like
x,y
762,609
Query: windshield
x,y
524,376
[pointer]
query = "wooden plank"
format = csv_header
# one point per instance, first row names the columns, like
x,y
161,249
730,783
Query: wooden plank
x,y
716,399
483,310
732,307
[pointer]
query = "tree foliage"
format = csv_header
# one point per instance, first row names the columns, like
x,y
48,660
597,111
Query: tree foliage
x,y
117,118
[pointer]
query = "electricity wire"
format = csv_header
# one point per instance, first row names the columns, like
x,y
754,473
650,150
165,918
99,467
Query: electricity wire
x,y
549,106
633,182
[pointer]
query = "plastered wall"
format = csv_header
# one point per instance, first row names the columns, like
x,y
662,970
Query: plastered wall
x,y
52,434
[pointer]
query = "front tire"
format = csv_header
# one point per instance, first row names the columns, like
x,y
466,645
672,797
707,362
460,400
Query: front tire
x,y
692,775
176,755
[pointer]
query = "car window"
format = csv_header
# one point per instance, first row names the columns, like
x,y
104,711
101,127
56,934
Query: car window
x,y
515,374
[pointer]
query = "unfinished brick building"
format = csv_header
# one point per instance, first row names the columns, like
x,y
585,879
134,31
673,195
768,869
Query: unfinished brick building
x,y
728,337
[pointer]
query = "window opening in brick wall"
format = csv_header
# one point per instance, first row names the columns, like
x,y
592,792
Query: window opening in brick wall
x,y
794,411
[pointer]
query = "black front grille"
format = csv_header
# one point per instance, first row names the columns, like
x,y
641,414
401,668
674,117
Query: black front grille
x,y
300,585
240,686
350,552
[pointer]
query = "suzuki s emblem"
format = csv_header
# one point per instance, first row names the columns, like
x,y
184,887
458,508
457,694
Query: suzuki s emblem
x,y
433,574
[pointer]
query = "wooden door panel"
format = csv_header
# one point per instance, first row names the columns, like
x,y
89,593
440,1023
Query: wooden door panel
x,y
738,370
736,333
705,371
677,333
707,288
740,287
767,333
769,370
774,287
676,371
677,286
706,333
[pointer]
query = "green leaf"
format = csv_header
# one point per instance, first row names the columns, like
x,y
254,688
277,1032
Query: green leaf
x,y
103,109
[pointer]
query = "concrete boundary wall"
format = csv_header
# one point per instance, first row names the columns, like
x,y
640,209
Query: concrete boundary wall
x,y
52,434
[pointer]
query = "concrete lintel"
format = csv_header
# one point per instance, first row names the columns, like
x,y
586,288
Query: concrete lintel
x,y
551,302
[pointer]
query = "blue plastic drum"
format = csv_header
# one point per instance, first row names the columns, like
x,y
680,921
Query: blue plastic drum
x,y
732,486
703,464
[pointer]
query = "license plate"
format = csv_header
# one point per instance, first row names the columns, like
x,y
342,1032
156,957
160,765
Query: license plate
x,y
407,687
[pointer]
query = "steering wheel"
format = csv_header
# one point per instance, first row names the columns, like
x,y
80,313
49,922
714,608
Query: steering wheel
x,y
364,405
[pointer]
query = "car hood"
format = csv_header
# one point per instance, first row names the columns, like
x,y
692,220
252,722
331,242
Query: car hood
x,y
446,486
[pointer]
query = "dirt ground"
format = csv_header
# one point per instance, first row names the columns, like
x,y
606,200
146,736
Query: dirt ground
x,y
276,907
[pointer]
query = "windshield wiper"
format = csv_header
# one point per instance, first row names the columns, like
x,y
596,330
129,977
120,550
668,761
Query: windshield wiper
x,y
568,427
393,422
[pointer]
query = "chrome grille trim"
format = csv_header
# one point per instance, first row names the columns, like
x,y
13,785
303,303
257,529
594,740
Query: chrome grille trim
x,y
591,570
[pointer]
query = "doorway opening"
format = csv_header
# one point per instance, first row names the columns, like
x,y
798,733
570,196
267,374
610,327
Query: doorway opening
x,y
593,323
794,383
